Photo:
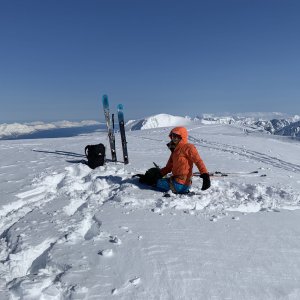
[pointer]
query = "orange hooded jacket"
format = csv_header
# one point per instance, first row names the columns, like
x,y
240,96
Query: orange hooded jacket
x,y
182,159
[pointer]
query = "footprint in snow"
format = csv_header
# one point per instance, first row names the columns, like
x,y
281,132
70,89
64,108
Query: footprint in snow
x,y
94,229
189,212
106,253
214,218
131,283
115,240
126,229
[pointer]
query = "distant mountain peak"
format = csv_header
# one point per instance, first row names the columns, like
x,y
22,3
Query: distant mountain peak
x,y
156,121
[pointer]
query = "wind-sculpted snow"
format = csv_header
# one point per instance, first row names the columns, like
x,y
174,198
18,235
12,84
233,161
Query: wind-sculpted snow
x,y
73,194
70,219
86,190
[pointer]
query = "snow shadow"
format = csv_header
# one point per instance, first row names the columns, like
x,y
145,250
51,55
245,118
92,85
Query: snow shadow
x,y
68,154
115,179
121,181
72,154
58,152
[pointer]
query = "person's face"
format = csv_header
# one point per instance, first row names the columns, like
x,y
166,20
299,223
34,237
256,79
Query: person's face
x,y
175,138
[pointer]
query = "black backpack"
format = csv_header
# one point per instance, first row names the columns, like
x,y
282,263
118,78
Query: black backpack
x,y
150,177
95,155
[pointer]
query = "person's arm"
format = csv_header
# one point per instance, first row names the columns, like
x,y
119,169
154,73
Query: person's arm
x,y
168,168
193,155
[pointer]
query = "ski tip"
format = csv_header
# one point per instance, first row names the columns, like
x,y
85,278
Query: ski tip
x,y
105,101
120,106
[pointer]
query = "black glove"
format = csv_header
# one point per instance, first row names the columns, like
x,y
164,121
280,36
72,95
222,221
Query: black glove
x,y
206,181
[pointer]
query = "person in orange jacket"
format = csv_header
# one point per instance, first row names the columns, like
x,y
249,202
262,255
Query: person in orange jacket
x,y
180,164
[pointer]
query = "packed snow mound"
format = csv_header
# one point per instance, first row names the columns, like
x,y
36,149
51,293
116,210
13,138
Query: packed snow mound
x,y
160,120
17,129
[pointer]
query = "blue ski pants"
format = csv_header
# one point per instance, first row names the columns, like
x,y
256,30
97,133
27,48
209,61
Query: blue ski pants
x,y
164,186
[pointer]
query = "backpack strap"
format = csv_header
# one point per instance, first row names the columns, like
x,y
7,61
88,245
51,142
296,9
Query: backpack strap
x,y
86,148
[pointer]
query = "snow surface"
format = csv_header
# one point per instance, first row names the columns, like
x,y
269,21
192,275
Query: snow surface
x,y
69,232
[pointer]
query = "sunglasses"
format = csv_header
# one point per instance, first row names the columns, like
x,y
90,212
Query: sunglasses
x,y
174,136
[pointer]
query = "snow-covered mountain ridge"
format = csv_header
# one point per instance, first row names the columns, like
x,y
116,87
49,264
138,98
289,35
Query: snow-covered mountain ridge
x,y
14,130
156,121
263,122
289,126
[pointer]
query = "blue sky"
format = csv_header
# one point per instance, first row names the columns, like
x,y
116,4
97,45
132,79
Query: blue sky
x,y
57,57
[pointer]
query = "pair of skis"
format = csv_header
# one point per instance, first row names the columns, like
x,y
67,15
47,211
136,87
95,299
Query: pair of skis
x,y
110,129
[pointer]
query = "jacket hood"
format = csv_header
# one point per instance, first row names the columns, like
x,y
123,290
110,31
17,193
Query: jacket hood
x,y
182,132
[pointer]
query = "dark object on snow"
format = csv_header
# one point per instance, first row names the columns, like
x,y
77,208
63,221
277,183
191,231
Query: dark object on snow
x,y
206,181
95,155
150,177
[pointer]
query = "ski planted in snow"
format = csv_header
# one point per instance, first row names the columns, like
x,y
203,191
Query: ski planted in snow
x,y
110,131
122,132
113,122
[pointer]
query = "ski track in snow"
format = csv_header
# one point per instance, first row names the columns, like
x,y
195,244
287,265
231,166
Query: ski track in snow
x,y
31,267
235,150
254,155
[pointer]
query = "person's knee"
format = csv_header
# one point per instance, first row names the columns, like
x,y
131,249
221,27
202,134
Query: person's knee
x,y
181,188
163,184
